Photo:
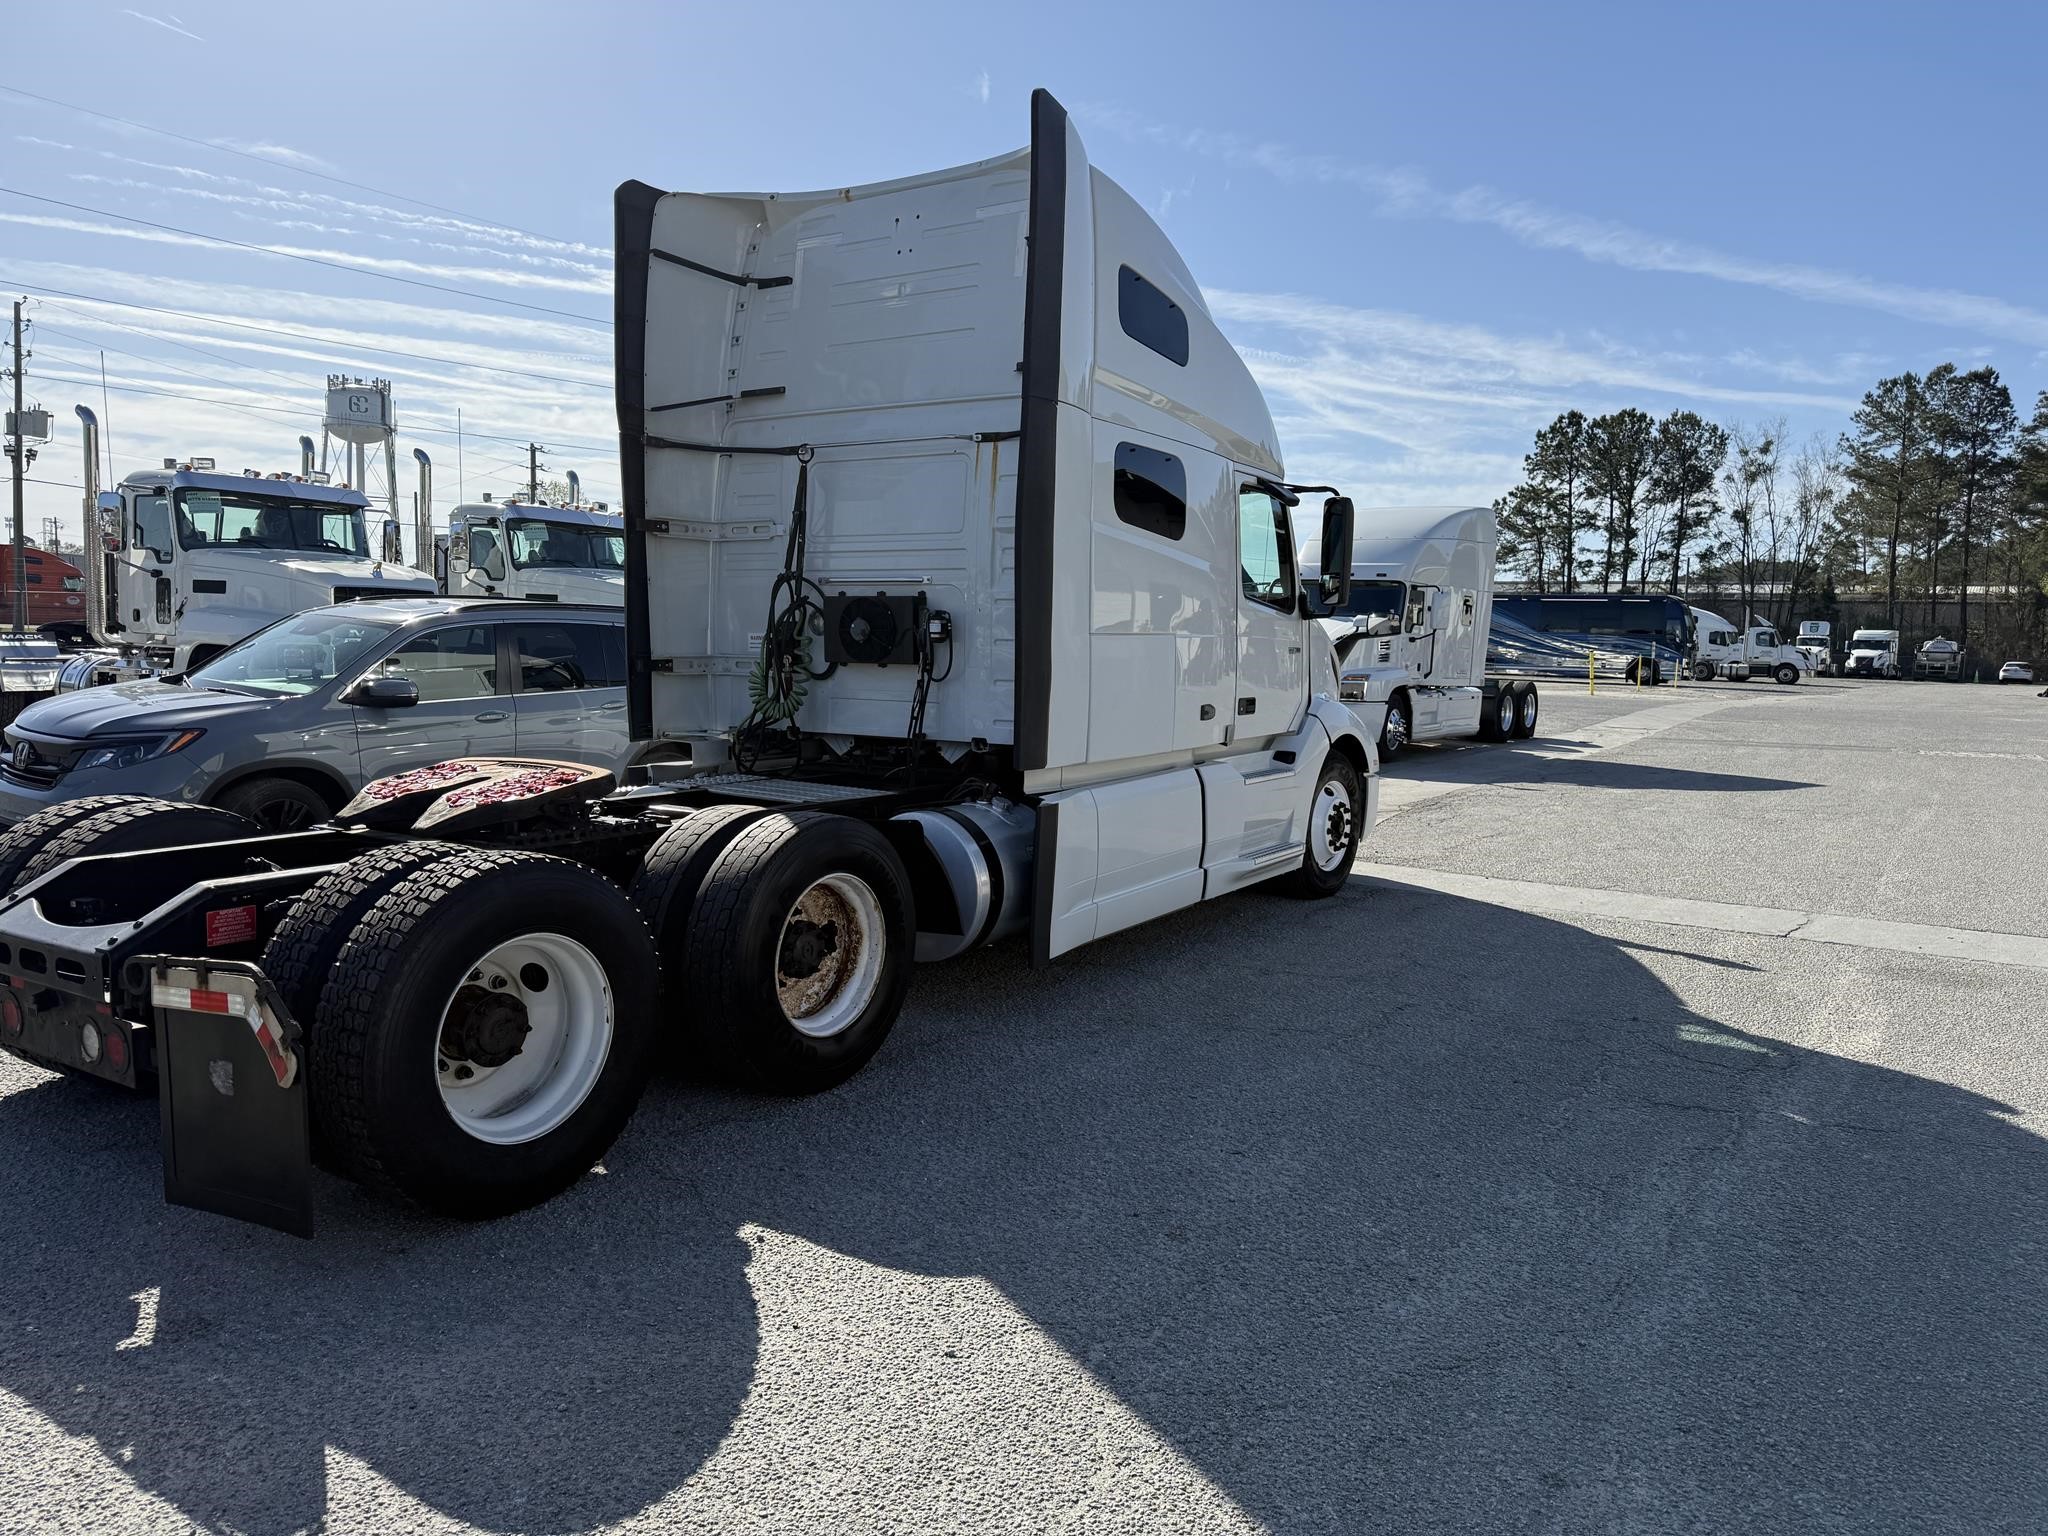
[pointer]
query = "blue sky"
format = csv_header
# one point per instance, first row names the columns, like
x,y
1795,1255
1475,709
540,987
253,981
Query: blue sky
x,y
1431,228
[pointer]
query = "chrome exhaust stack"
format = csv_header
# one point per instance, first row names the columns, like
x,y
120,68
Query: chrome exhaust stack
x,y
423,515
306,457
98,556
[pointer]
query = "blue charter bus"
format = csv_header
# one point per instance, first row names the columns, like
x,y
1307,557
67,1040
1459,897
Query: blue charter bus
x,y
1545,634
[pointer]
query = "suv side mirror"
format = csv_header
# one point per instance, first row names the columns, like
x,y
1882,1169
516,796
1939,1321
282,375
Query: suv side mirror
x,y
385,693
1332,589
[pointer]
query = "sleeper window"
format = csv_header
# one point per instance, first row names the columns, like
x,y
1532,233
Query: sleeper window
x,y
1150,318
1151,490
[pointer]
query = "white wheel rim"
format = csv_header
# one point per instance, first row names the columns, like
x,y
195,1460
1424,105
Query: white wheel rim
x,y
1507,711
1528,710
560,992
828,959
1397,726
1329,827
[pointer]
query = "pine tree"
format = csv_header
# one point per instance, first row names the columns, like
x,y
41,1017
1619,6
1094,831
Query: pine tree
x,y
1887,458
1558,464
1685,462
1973,421
1619,450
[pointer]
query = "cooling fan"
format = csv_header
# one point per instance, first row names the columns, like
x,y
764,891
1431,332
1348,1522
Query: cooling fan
x,y
873,630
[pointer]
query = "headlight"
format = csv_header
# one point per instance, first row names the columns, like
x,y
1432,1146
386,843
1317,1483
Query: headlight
x,y
1351,693
125,754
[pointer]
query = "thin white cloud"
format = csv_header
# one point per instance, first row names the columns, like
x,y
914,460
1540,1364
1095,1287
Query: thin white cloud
x,y
1406,193
981,87
168,23
280,152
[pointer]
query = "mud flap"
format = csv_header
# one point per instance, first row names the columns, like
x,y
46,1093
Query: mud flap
x,y
232,1087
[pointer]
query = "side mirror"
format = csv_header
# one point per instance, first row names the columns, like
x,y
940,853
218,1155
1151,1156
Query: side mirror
x,y
385,693
1332,589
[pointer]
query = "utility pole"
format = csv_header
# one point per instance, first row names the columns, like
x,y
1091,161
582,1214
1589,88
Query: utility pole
x,y
533,469
19,451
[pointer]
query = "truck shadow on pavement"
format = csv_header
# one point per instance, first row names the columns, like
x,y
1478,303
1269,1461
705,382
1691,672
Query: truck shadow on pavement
x,y
1532,764
1507,1239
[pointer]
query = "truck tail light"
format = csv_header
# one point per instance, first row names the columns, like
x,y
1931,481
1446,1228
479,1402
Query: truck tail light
x,y
115,1044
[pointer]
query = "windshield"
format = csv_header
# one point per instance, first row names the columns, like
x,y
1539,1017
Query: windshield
x,y
296,656
1376,602
248,520
1871,643
535,542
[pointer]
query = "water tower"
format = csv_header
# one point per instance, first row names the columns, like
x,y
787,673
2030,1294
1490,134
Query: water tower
x,y
359,416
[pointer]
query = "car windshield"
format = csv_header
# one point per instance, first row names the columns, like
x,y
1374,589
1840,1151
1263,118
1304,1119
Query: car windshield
x,y
1376,602
307,651
535,541
247,520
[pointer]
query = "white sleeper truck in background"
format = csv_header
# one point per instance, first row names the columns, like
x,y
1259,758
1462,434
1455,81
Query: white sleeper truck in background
x,y
1410,641
960,557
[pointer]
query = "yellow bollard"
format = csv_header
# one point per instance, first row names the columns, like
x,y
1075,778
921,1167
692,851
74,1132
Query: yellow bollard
x,y
1589,670
1639,674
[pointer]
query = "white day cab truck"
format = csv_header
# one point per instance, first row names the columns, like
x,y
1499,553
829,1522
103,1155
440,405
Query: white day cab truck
x,y
183,561
960,555
537,552
1409,642
1737,654
1872,653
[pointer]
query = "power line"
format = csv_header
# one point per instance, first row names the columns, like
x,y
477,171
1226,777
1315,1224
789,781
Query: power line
x,y
319,341
304,414
318,261
86,317
282,165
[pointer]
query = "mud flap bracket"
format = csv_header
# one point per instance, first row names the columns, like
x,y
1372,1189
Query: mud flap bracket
x,y
232,1088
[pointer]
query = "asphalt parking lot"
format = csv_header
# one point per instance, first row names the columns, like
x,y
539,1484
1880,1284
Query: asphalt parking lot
x,y
1650,1139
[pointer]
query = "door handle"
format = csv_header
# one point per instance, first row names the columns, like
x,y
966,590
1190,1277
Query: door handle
x,y
1248,706
492,716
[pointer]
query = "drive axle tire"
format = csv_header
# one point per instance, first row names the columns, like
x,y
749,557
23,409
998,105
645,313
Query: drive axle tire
x,y
303,950
1335,815
799,950
1497,720
665,890
132,827
1526,711
485,1034
32,834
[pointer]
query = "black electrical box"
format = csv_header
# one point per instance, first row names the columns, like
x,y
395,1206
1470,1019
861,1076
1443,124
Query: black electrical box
x,y
875,629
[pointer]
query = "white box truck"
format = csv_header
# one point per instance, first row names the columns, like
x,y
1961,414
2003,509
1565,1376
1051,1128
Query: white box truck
x,y
1410,642
960,553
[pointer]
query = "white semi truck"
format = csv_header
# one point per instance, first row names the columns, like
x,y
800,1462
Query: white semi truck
x,y
183,561
1735,653
959,552
1410,642
538,552
1872,653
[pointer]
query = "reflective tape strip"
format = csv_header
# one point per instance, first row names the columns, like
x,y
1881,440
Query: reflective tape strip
x,y
284,1065
200,1000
